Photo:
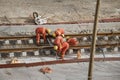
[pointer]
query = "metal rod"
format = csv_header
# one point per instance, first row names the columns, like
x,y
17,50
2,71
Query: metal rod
x,y
73,22
91,62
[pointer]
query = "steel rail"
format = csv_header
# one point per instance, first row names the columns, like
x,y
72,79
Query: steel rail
x,y
88,21
25,49
16,37
70,35
73,22
57,62
99,34
51,47
100,45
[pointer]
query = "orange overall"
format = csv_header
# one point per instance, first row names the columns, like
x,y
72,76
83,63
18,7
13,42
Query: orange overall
x,y
58,41
65,47
72,41
59,32
40,31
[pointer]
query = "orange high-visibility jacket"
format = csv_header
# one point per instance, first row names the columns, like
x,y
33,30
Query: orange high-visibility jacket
x,y
58,41
40,31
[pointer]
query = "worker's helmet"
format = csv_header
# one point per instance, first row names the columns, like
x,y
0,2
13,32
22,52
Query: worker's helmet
x,y
67,37
54,35
48,30
55,47
63,35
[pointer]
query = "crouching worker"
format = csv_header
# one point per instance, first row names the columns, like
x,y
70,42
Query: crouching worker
x,y
72,41
41,32
59,32
63,50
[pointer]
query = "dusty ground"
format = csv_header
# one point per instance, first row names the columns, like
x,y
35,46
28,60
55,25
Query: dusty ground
x,y
20,11
69,28
75,71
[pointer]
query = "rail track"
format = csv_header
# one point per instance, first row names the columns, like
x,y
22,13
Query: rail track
x,y
11,45
33,48
21,46
74,22
70,35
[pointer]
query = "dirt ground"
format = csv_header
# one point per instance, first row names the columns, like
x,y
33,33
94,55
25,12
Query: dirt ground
x,y
19,11
73,71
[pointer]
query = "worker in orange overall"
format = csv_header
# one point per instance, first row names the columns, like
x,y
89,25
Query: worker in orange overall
x,y
41,32
72,41
58,42
64,48
59,32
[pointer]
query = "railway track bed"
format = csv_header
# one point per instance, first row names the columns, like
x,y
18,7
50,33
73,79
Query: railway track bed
x,y
14,43
25,49
27,44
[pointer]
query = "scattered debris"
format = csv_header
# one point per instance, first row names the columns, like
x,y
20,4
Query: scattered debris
x,y
14,61
38,20
78,54
46,70
8,73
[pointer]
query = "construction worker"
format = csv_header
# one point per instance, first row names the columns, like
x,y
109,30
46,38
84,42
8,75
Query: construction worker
x,y
41,32
58,42
59,32
72,41
64,48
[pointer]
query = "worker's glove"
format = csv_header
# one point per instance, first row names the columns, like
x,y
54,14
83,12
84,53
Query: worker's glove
x,y
54,35
67,37
55,47
48,31
63,35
